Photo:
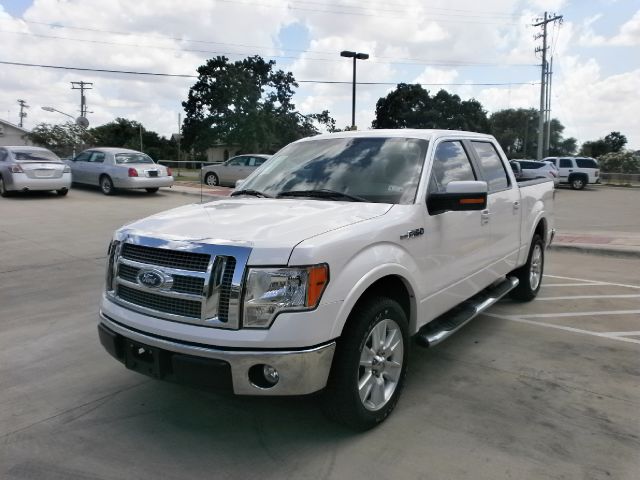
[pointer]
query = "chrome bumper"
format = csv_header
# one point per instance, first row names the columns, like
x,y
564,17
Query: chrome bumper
x,y
300,371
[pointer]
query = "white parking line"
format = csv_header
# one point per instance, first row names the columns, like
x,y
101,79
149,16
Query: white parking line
x,y
576,297
567,329
573,284
579,314
593,282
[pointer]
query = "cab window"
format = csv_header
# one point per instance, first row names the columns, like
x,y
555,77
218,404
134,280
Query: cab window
x,y
450,163
492,166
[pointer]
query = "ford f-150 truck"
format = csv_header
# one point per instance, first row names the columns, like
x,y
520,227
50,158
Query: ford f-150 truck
x,y
318,269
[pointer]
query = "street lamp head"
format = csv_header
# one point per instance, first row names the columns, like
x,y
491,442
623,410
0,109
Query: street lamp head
x,y
347,53
362,56
48,109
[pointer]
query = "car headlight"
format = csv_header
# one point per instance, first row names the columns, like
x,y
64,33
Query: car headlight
x,y
270,291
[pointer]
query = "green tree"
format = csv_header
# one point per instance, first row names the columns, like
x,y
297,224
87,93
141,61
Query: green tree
x,y
516,129
620,162
614,142
62,139
125,133
247,103
411,106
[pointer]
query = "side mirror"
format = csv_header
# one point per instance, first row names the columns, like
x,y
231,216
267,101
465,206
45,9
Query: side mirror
x,y
239,183
459,196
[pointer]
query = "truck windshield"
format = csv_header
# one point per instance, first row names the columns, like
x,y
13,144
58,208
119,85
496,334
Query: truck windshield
x,y
376,169
132,158
35,156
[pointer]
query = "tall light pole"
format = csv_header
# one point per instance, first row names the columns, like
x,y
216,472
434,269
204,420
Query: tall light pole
x,y
355,56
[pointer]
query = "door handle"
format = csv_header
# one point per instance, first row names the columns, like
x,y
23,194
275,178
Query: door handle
x,y
570,170
485,215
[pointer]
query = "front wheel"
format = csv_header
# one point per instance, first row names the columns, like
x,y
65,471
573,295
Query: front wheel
x,y
212,180
530,274
370,365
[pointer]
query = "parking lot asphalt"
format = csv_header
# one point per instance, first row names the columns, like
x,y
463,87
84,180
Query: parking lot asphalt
x,y
548,389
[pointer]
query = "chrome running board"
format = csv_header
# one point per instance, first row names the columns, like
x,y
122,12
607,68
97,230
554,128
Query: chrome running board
x,y
450,322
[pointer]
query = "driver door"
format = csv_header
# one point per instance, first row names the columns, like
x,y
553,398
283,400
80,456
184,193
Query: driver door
x,y
80,167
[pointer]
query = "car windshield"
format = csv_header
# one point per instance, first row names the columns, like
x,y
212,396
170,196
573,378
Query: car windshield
x,y
35,156
132,157
378,170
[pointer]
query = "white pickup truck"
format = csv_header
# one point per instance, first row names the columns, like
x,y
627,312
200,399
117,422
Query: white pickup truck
x,y
316,272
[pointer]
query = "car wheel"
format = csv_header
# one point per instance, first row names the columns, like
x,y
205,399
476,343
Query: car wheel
x,y
106,185
62,192
578,183
3,191
212,180
152,190
369,366
530,274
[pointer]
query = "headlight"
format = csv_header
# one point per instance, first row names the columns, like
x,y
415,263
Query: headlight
x,y
111,256
269,291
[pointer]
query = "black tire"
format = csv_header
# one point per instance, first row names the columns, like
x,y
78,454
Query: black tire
x,y
529,285
577,182
212,180
342,400
62,192
3,191
106,185
152,190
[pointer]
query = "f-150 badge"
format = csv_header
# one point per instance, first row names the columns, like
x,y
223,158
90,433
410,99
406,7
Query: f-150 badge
x,y
416,232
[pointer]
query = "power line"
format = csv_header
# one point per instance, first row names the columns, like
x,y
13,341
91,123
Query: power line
x,y
176,75
314,59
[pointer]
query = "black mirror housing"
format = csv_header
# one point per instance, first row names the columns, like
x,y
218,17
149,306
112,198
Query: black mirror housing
x,y
458,202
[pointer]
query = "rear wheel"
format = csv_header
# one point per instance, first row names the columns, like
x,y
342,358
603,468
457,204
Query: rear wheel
x,y
106,185
212,180
530,274
370,365
577,182
62,192
152,190
3,190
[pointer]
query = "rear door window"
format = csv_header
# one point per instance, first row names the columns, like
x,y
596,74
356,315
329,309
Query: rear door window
x,y
566,163
586,163
492,166
450,163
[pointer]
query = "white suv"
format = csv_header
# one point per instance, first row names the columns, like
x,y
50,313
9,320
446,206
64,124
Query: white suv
x,y
576,171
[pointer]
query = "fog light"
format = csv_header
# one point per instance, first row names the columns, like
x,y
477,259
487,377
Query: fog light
x,y
270,374
263,376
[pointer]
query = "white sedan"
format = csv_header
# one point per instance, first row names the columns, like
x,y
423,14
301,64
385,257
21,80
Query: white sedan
x,y
24,169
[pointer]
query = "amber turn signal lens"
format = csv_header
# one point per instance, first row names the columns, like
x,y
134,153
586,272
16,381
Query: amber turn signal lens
x,y
318,279
468,201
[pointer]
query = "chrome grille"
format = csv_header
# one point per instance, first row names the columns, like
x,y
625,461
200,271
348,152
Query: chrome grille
x,y
197,283
160,303
163,257
181,283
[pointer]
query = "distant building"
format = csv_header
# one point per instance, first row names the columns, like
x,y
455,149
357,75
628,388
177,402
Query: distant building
x,y
221,153
11,134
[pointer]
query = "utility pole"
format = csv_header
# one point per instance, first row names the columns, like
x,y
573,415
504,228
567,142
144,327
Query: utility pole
x,y
543,76
82,86
547,142
22,115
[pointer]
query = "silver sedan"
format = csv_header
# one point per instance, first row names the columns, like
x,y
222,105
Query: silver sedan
x,y
23,169
119,168
234,169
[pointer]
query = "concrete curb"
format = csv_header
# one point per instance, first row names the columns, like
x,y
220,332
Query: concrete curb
x,y
597,250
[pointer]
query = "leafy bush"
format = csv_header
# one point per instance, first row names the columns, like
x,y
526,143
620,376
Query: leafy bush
x,y
620,162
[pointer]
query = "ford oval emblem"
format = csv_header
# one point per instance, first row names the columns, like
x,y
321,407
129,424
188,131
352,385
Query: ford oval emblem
x,y
151,278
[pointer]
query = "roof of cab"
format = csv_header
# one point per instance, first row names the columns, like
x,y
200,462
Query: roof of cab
x,y
426,134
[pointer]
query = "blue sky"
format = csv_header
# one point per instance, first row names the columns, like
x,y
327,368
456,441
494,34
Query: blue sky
x,y
596,65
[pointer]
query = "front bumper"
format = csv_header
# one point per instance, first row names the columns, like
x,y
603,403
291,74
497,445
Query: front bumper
x,y
143,182
300,372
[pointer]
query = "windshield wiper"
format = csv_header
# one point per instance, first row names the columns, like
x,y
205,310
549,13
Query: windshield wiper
x,y
322,193
249,191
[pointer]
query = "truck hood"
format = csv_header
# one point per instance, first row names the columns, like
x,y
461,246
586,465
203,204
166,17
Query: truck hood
x,y
271,227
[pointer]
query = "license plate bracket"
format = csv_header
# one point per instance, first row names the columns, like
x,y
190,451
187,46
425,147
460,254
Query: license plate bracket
x,y
152,173
143,359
